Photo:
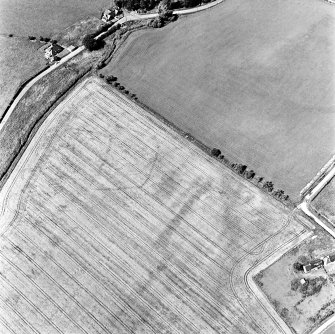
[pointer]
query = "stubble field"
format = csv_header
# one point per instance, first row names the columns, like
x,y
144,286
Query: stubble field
x,y
113,223
252,77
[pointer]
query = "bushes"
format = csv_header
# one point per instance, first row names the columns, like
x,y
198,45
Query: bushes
x,y
297,266
110,79
137,4
191,3
295,284
309,287
45,39
100,65
163,18
157,22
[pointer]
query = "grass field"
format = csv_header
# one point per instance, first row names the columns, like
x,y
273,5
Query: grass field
x,y
19,60
113,223
324,203
302,312
74,34
252,77
37,17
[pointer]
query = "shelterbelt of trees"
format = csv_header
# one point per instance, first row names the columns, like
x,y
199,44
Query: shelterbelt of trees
x,y
164,4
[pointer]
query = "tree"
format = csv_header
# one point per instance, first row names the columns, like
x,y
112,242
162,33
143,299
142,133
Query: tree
x,y
241,168
92,44
268,185
279,193
215,152
250,174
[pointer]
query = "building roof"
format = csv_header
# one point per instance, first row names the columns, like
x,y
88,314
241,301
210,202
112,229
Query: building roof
x,y
313,264
56,49
64,53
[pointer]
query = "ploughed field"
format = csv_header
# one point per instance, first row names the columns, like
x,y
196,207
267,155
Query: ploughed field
x,y
113,223
45,17
254,78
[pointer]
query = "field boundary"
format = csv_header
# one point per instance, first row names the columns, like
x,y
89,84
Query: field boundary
x,y
226,163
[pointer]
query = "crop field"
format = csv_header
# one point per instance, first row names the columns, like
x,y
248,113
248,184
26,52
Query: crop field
x,y
324,202
113,223
254,78
19,60
45,17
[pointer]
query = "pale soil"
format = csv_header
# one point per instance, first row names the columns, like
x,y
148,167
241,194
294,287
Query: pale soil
x,y
254,78
325,201
303,313
19,61
111,221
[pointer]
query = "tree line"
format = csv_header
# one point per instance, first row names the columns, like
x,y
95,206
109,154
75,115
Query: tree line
x,y
250,175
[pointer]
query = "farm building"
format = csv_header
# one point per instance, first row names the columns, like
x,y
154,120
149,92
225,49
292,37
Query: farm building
x,y
54,52
110,14
51,53
315,264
